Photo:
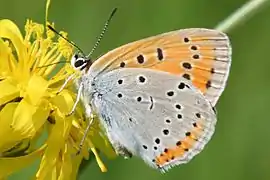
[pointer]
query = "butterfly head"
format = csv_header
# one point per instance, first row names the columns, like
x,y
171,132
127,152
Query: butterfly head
x,y
80,62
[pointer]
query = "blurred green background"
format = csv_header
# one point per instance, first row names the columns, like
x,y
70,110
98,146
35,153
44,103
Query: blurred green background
x,y
240,148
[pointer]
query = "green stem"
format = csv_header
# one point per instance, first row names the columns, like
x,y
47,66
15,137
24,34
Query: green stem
x,y
240,15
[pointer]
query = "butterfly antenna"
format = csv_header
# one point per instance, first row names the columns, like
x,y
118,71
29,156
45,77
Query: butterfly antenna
x,y
102,32
70,42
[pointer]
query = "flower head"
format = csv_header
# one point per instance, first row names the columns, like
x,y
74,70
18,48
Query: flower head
x,y
31,110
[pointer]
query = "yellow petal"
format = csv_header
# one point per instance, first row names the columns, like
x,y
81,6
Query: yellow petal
x,y
66,164
36,89
12,164
99,161
7,63
28,119
63,101
17,150
49,159
8,24
10,31
55,142
8,137
76,162
19,121
8,91
57,136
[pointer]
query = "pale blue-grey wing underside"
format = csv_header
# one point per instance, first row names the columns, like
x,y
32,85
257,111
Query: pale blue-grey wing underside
x,y
155,115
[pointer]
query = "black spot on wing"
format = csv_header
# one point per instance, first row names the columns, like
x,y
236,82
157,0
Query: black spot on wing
x,y
152,103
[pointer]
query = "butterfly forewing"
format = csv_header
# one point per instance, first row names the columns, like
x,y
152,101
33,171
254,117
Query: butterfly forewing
x,y
155,115
202,56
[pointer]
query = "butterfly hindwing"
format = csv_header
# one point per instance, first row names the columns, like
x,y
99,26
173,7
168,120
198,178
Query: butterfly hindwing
x,y
155,115
202,56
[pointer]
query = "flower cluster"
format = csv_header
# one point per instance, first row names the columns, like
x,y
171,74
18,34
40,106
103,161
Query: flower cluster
x,y
33,117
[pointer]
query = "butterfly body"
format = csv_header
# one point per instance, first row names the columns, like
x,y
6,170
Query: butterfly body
x,y
153,96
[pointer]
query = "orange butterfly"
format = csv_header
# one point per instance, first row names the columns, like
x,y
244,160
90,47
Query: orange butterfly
x,y
202,56
123,87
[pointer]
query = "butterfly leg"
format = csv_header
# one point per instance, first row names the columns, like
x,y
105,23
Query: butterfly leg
x,y
77,99
85,134
65,83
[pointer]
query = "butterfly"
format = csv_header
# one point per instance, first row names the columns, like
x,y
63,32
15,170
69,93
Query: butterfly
x,y
155,97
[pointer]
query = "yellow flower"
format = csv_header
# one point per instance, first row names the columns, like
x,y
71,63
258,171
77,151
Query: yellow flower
x,y
33,117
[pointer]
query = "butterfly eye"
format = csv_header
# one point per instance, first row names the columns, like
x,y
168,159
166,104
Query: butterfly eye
x,y
79,63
